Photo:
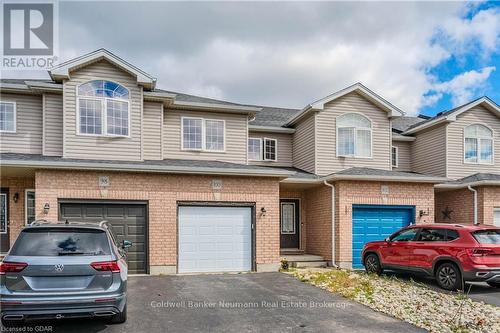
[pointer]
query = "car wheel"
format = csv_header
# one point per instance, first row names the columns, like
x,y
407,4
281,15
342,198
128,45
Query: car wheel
x,y
120,318
372,264
448,276
493,284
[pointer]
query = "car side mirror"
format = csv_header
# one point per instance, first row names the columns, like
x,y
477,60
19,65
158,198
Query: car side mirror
x,y
387,240
126,244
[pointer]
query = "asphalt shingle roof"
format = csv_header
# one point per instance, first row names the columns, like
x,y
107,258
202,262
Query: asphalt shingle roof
x,y
401,124
356,171
274,117
185,164
476,178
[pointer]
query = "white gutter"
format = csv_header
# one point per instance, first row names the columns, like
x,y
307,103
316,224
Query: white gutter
x,y
333,221
228,107
466,185
271,129
475,204
334,177
145,168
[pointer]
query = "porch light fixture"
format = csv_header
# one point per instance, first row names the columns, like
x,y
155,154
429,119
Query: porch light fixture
x,y
46,208
263,211
15,197
423,213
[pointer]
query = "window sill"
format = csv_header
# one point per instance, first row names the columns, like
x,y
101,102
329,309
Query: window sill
x,y
105,136
353,156
203,151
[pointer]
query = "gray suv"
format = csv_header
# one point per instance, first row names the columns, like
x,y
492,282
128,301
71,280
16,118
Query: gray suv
x,y
64,270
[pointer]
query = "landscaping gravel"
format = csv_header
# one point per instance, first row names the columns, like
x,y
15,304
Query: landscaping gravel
x,y
410,301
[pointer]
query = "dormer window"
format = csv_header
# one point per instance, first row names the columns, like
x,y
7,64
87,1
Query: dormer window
x,y
354,136
103,109
478,144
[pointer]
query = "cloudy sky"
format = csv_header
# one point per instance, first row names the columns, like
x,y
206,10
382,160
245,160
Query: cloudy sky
x,y
423,57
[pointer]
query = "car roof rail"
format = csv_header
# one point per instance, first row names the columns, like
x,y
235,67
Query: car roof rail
x,y
103,223
38,222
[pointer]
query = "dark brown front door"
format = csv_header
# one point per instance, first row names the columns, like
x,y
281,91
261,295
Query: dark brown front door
x,y
4,220
289,223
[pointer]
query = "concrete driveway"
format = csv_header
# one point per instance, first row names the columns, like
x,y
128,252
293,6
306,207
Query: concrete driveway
x,y
263,302
478,291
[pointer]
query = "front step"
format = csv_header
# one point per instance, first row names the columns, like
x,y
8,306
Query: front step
x,y
305,260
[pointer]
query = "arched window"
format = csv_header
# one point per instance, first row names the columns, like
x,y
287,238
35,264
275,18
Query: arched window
x,y
478,144
354,135
103,108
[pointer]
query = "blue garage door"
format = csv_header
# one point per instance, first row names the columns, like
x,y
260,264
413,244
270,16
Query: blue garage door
x,y
375,222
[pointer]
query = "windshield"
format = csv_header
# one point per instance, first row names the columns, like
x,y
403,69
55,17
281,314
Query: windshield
x,y
487,236
61,242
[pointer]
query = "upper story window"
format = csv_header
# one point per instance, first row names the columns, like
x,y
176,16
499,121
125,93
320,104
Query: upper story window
x,y
354,136
103,109
203,134
478,143
7,117
394,157
262,149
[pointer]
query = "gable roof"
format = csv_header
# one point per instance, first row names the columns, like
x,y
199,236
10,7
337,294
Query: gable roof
x,y
62,71
451,115
359,88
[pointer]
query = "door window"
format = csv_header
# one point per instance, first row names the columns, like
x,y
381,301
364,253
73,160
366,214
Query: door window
x,y
432,235
405,235
288,218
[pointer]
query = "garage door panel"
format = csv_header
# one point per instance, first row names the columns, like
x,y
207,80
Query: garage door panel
x,y
374,223
125,226
214,239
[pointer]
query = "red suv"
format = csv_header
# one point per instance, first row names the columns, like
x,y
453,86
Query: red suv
x,y
450,253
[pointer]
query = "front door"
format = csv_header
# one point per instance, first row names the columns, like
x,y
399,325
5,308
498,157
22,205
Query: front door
x,y
4,220
290,223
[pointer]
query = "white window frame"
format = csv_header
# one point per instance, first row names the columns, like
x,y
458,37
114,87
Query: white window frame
x,y
396,153
26,191
478,138
261,156
355,136
15,117
203,135
293,232
264,149
104,113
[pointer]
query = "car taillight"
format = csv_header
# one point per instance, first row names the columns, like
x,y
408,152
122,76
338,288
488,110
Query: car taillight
x,y
479,252
107,266
12,267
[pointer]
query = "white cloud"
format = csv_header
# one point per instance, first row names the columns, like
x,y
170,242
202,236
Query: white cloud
x,y
463,87
289,54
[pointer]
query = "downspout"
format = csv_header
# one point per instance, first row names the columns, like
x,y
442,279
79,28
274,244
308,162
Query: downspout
x,y
333,221
475,204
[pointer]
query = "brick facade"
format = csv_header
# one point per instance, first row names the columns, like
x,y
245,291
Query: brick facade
x,y
348,193
162,193
16,210
461,202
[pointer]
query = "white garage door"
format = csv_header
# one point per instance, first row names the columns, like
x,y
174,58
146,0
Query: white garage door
x,y
496,217
215,239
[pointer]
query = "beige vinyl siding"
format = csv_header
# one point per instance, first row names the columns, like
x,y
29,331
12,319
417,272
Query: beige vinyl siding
x,y
152,126
456,166
100,147
404,155
429,152
235,136
53,125
28,136
303,144
327,161
284,151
